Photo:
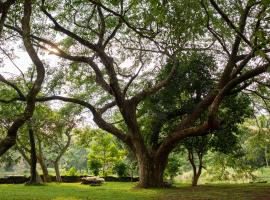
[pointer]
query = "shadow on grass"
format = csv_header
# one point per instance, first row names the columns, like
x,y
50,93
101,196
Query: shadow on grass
x,y
219,191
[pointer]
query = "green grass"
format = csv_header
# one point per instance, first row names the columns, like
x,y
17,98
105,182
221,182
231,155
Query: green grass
x,y
126,191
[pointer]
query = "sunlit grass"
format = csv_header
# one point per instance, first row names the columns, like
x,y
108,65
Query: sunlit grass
x,y
127,191
74,191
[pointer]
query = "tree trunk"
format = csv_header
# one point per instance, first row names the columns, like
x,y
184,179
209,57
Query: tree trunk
x,y
46,177
56,162
196,176
266,156
33,163
151,171
131,175
196,173
28,160
57,171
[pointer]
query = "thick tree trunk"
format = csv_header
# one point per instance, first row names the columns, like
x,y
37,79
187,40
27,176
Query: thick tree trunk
x,y
33,162
57,172
151,171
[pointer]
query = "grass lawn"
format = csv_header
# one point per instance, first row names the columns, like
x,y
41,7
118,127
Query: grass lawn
x,y
126,191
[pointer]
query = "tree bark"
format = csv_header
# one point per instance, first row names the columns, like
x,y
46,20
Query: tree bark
x,y
33,166
4,8
57,172
196,172
46,177
195,179
151,171
28,160
62,152
196,176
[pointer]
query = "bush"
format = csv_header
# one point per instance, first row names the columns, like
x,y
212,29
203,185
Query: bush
x,y
120,169
172,168
72,172
94,166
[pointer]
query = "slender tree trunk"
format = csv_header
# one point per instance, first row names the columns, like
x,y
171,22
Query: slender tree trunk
x,y
46,177
33,177
56,162
196,172
57,171
194,168
103,170
131,175
266,156
196,176
223,169
171,178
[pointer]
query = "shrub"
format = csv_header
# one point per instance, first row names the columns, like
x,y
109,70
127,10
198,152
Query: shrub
x,y
120,169
72,172
94,166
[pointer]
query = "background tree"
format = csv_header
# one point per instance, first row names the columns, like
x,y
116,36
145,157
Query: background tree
x,y
104,151
52,130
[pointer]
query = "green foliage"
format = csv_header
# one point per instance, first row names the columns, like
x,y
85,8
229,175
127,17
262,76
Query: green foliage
x,y
173,166
102,148
234,110
229,167
121,169
75,156
9,159
191,81
94,166
193,78
72,172
256,142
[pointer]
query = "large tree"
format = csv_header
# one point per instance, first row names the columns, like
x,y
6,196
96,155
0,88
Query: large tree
x,y
96,37
161,112
30,95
